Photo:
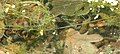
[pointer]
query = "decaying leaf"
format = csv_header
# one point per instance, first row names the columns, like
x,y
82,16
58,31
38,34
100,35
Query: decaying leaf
x,y
84,37
116,45
101,23
76,43
91,38
21,22
2,25
92,25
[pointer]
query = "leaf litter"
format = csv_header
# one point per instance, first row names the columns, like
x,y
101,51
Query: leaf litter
x,y
76,43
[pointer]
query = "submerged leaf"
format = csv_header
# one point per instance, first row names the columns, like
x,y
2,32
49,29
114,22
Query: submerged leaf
x,y
82,9
69,8
2,25
91,38
76,43
84,37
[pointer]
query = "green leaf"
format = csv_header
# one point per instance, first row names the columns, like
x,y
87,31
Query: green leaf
x,y
82,9
64,7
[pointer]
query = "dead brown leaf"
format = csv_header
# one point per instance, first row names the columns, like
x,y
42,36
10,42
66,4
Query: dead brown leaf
x,y
21,22
76,43
101,23
83,37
